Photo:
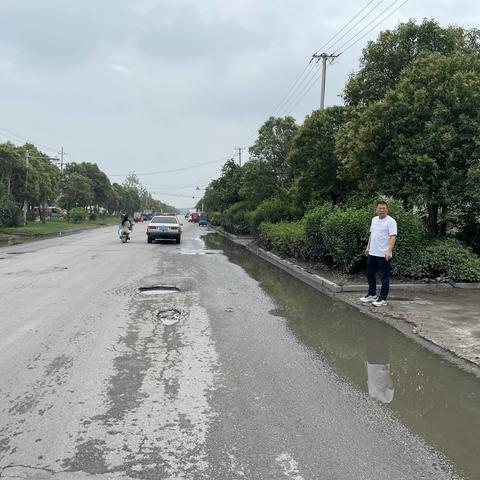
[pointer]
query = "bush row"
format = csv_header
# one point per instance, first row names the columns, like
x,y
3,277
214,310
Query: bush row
x,y
287,238
339,236
244,217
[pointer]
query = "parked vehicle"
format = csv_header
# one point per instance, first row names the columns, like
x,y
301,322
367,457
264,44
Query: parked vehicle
x,y
164,227
203,221
147,214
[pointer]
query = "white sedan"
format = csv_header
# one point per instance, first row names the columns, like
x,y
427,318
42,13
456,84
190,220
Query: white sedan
x,y
165,227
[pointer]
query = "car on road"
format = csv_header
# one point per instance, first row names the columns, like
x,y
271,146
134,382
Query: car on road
x,y
194,217
203,221
164,227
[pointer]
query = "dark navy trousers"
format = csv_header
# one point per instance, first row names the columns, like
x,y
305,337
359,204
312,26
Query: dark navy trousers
x,y
374,265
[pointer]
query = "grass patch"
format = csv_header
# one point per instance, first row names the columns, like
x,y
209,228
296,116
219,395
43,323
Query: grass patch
x,y
37,229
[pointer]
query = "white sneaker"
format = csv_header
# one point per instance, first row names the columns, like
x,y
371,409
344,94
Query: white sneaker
x,y
380,303
368,298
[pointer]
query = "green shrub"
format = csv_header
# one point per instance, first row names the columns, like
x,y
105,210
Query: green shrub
x,y
215,218
314,220
287,238
93,216
345,235
412,237
273,210
10,213
451,259
76,215
237,218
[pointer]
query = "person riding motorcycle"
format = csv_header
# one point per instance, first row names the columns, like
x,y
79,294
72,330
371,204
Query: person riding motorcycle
x,y
126,224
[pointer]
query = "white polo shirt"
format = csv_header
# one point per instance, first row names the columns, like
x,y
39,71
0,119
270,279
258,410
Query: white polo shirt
x,y
381,231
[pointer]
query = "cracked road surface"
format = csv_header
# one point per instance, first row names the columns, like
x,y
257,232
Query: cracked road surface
x,y
100,379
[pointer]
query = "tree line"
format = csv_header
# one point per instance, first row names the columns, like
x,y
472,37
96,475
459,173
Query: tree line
x,y
30,178
409,129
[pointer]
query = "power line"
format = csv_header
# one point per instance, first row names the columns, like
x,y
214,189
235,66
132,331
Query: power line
x,y
307,88
325,45
313,74
294,85
341,49
24,139
356,24
173,170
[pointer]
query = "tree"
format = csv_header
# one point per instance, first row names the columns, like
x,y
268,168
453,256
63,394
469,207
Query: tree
x,y
100,183
273,144
12,171
421,142
43,178
258,181
313,159
77,191
224,191
383,61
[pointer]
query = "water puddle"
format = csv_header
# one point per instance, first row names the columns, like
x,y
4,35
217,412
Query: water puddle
x,y
199,252
432,398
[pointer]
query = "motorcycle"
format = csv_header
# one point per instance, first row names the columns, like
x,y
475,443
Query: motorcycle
x,y
124,233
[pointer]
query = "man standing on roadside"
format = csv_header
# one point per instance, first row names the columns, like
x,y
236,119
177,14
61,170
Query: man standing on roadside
x,y
383,234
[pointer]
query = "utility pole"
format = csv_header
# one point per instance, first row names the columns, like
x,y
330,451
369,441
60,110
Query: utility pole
x,y
27,154
61,162
324,57
240,154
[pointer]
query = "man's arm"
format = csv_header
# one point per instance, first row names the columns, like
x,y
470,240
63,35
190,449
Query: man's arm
x,y
391,243
367,250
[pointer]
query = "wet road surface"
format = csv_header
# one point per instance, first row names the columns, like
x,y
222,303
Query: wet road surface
x,y
240,372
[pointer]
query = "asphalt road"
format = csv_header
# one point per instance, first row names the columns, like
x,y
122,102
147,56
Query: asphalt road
x,y
101,380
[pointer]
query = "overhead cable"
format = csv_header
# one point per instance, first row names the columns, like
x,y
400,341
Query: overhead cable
x,y
343,47
325,45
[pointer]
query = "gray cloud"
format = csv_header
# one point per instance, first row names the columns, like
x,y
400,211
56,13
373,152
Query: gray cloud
x,y
148,85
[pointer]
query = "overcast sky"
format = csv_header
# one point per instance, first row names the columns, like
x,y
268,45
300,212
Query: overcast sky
x,y
154,85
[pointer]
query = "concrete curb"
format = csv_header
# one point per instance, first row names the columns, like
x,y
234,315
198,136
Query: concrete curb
x,y
316,280
332,289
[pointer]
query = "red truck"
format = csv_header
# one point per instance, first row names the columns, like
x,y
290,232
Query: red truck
x,y
194,217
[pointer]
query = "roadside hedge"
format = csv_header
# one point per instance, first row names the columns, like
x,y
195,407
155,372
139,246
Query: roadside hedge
x,y
287,238
273,210
314,221
77,215
237,218
345,235
215,218
449,258
10,213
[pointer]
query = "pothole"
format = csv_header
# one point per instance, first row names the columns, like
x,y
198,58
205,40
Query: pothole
x,y
159,289
169,316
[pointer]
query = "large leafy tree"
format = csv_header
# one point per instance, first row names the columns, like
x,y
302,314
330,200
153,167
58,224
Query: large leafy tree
x,y
383,61
100,183
77,191
12,171
258,181
313,159
273,144
224,191
421,142
43,178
